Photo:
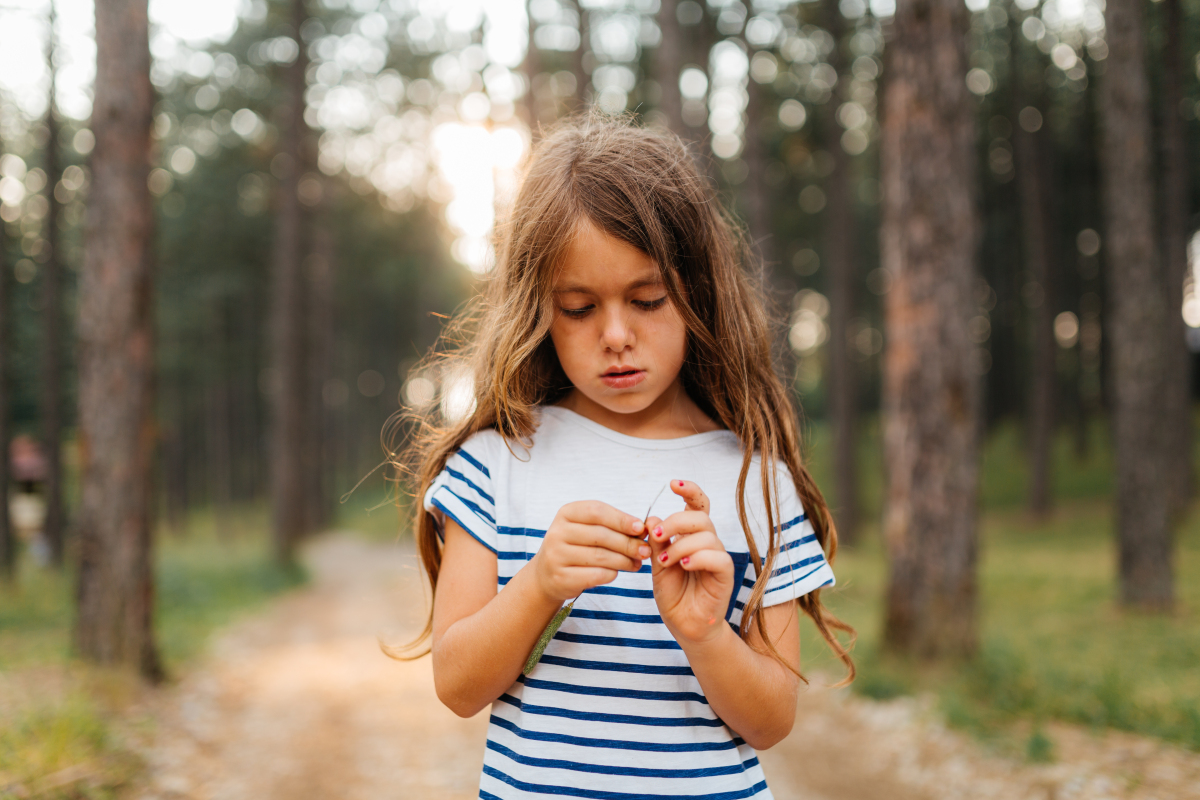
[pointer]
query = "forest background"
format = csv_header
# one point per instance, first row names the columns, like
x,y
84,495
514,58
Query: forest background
x,y
325,178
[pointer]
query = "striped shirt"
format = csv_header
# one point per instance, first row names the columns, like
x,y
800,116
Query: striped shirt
x,y
613,710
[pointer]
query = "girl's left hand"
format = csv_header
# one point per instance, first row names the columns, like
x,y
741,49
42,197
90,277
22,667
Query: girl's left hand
x,y
693,577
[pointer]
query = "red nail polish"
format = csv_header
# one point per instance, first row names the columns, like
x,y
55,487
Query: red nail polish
x,y
663,558
681,484
658,532
684,560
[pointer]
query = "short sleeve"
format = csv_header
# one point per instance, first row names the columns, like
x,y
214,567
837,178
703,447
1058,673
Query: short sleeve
x,y
463,492
800,567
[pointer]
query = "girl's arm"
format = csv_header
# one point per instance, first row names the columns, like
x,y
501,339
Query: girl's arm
x,y
747,688
693,580
481,637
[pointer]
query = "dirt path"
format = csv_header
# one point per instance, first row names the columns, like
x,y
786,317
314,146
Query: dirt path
x,y
298,702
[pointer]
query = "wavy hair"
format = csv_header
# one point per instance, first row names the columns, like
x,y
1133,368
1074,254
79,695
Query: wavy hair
x,y
642,187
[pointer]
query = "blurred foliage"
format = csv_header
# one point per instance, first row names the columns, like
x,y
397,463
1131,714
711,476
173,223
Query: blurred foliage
x,y
1053,643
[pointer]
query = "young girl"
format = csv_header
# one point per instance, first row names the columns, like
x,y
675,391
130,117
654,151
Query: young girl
x,y
622,349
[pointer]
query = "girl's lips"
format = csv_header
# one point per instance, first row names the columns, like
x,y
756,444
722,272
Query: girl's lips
x,y
623,380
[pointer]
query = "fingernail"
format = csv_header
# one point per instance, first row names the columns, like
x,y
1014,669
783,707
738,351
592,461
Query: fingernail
x,y
685,559
680,483
658,532
663,558
637,525
643,552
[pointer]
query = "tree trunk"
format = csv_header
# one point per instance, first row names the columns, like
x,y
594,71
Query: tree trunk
x,y
52,320
116,355
839,255
1032,174
579,59
668,64
8,542
930,387
755,194
1175,214
320,275
290,387
531,66
1137,305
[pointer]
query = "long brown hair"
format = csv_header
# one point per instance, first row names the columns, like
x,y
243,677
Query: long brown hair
x,y
642,187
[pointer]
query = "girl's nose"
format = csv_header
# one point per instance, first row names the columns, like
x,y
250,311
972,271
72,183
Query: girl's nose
x,y
617,333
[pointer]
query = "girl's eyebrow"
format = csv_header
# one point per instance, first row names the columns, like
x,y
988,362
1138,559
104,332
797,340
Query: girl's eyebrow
x,y
575,287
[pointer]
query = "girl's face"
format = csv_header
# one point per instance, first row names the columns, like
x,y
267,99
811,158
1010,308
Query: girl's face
x,y
618,337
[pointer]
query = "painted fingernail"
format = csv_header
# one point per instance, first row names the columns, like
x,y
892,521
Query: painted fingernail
x,y
680,483
658,532
685,559
643,552
663,558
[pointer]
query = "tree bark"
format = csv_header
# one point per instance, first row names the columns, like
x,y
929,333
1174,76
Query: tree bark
x,y
52,321
931,391
1032,172
578,60
8,542
1137,305
289,420
839,255
531,66
116,355
320,276
668,64
1175,214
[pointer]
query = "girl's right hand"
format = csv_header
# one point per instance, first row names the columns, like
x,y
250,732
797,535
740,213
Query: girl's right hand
x,y
586,545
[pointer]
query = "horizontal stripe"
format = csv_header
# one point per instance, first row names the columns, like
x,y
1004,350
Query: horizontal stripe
x,y
513,555
612,666
633,772
812,537
471,504
473,461
453,473
437,502
798,580
797,565
644,594
615,719
611,691
616,744
791,523
616,616
785,587
597,794
612,641
536,533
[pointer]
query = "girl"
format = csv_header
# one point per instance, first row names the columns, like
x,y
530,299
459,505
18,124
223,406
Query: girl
x,y
622,348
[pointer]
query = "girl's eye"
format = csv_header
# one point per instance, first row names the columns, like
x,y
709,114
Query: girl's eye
x,y
576,312
651,305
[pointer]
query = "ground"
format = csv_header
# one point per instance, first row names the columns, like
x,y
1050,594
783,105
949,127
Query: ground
x,y
298,701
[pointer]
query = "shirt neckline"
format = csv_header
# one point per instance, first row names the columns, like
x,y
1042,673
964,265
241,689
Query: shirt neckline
x,y
679,443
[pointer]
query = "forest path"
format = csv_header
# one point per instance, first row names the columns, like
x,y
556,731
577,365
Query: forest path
x,y
298,702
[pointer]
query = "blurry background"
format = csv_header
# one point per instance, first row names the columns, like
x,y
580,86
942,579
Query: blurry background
x,y
326,176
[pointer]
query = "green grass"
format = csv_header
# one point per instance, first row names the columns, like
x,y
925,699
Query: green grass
x,y
1053,643
208,574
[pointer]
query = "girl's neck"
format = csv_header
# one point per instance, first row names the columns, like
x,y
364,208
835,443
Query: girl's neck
x,y
671,416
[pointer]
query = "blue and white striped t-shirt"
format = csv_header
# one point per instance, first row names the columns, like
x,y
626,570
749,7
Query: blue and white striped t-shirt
x,y
613,709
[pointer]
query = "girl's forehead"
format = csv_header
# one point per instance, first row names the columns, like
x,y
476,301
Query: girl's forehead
x,y
596,261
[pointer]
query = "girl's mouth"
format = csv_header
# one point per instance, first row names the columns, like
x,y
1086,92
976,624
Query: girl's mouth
x,y
619,378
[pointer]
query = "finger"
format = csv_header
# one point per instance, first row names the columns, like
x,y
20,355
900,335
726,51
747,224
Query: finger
x,y
593,512
595,576
576,556
692,494
599,536
685,522
690,546
707,561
